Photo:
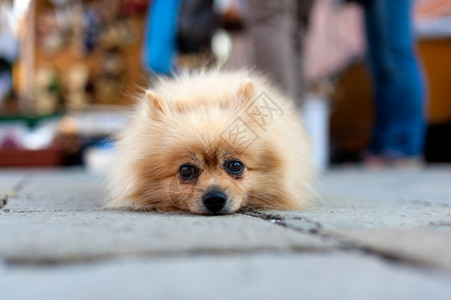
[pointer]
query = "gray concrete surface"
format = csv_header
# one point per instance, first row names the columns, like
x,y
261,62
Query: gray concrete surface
x,y
375,235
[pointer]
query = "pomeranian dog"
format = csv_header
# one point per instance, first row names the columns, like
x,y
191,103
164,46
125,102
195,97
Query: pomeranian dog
x,y
212,142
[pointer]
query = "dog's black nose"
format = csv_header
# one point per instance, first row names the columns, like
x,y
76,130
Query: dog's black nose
x,y
214,201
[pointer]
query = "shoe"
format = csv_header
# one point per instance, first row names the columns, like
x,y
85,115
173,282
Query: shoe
x,y
391,159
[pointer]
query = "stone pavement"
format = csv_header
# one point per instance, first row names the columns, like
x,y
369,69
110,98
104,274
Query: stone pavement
x,y
375,235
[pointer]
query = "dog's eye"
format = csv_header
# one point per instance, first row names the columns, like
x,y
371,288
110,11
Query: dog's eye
x,y
188,171
234,167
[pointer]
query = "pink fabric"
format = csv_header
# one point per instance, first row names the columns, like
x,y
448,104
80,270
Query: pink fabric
x,y
428,9
335,38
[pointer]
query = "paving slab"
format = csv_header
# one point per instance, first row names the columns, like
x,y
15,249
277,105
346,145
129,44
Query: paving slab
x,y
59,190
359,187
390,216
405,214
75,236
58,217
427,246
10,178
259,276
376,235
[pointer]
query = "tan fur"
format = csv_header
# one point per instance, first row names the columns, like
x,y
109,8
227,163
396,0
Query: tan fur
x,y
189,119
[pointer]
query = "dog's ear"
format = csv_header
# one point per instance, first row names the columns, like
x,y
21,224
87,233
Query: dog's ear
x,y
246,92
154,105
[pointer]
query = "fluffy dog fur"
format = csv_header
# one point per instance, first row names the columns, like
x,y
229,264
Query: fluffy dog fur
x,y
206,120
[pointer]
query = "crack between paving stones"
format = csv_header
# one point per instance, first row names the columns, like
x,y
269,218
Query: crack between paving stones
x,y
440,224
13,192
426,203
346,244
151,254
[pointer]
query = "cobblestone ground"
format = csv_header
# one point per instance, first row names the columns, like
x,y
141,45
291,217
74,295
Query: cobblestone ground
x,y
382,234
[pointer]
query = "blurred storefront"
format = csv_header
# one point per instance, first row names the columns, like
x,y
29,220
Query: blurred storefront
x,y
69,70
76,67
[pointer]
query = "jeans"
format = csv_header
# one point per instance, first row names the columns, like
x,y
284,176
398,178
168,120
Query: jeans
x,y
399,126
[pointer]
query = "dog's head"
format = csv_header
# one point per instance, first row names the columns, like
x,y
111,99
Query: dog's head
x,y
204,155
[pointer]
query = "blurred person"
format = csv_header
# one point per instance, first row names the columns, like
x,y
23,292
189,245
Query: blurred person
x,y
399,126
175,28
160,47
278,29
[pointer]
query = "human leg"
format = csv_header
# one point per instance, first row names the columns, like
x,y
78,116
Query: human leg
x,y
278,28
399,91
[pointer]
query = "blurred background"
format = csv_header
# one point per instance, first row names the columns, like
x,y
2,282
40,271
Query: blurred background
x,y
69,70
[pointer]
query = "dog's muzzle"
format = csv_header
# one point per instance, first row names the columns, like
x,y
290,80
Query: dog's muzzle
x,y
214,201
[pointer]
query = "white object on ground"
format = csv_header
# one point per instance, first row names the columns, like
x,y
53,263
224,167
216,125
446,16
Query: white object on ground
x,y
315,113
